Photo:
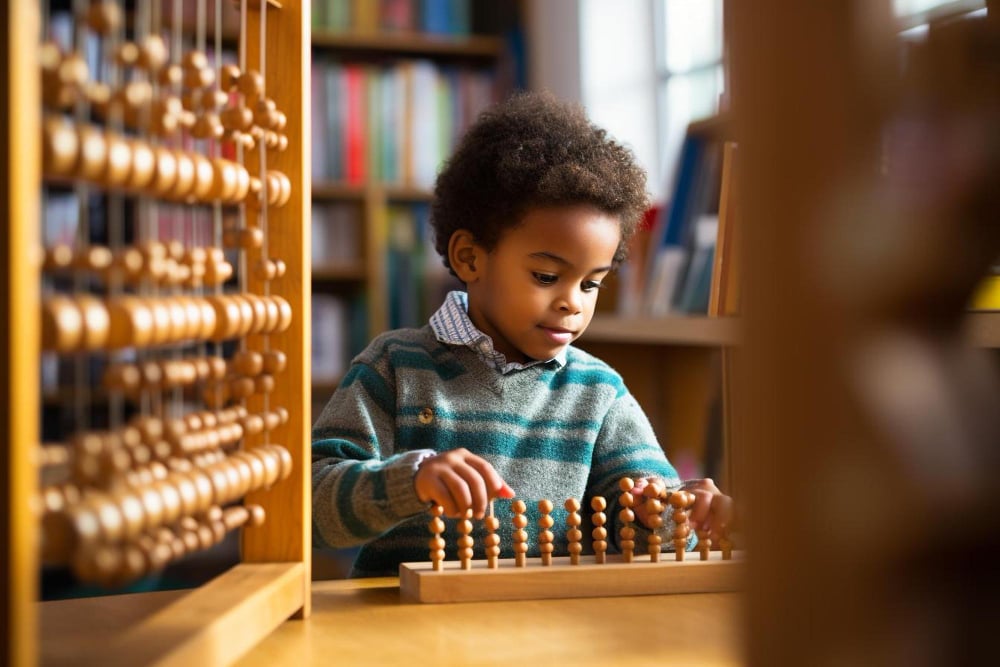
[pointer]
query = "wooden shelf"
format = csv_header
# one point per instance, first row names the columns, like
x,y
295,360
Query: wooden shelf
x,y
414,44
340,272
688,330
337,192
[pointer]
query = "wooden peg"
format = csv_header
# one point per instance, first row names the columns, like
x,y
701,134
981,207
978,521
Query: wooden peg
x,y
436,543
60,147
573,534
520,534
626,516
599,533
545,536
464,526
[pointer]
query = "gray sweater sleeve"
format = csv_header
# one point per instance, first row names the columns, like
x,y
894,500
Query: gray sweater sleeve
x,y
361,487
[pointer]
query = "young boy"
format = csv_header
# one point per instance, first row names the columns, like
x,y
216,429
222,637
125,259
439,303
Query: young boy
x,y
490,400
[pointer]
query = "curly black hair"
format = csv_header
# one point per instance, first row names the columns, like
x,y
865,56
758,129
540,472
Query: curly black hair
x,y
532,151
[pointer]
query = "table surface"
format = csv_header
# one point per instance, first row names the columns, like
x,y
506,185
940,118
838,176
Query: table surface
x,y
364,621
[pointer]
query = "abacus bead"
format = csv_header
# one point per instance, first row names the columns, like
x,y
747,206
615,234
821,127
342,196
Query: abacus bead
x,y
285,310
575,548
257,515
274,361
248,363
104,17
626,499
60,147
520,547
228,77
627,533
253,424
264,269
573,519
572,505
626,515
464,541
119,158
93,153
165,175
264,384
185,182
251,83
518,507
491,523
520,521
464,526
204,178
544,506
600,545
679,516
626,484
152,502
599,533
546,547
491,540
681,531
546,521
241,388
627,545
521,535
436,525
153,53
574,535
62,324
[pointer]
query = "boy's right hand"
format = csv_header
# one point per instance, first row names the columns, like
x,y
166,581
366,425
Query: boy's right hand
x,y
458,480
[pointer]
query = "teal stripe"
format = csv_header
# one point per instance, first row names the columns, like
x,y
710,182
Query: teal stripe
x,y
421,361
374,385
502,419
354,525
341,449
588,378
651,466
492,443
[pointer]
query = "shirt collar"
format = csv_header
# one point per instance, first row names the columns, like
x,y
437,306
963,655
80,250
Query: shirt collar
x,y
451,325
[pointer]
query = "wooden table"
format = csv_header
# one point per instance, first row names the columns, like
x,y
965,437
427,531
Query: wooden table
x,y
364,622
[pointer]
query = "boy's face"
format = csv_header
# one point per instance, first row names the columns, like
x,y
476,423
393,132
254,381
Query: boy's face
x,y
535,293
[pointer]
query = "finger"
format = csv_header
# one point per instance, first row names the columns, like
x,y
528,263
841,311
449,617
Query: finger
x,y
723,515
702,508
706,484
494,482
459,496
479,496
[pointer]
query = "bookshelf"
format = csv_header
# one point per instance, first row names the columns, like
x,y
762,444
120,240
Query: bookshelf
x,y
217,622
474,66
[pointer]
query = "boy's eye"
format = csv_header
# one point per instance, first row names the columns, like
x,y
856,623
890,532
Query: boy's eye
x,y
545,278
590,285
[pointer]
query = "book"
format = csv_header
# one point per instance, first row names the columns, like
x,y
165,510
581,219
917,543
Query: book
x,y
987,294
725,288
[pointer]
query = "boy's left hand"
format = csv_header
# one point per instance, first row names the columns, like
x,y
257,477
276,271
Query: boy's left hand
x,y
712,509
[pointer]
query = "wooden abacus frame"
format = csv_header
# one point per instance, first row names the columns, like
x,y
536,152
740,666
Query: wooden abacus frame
x,y
218,622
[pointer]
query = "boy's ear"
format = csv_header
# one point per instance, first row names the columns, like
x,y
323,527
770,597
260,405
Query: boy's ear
x,y
462,255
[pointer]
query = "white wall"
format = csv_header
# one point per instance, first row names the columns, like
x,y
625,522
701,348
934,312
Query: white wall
x,y
601,53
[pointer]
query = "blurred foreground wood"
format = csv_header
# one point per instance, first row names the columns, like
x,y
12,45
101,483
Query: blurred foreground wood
x,y
870,441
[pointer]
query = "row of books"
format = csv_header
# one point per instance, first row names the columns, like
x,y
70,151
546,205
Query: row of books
x,y
336,234
672,258
394,123
442,17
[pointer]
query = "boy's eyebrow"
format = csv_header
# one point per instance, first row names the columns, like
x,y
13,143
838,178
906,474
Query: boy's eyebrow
x,y
559,260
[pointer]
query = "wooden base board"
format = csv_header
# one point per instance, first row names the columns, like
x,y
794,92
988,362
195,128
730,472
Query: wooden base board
x,y
420,583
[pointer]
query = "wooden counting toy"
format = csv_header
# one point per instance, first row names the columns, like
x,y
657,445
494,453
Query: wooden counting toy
x,y
576,574
627,516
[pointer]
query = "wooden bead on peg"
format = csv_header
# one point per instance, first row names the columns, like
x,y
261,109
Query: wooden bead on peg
x,y
281,120
282,143
280,267
165,176
253,424
251,84
104,17
184,185
129,263
246,318
274,361
62,324
250,237
265,269
162,325
119,165
60,147
143,165
248,363
127,54
153,53
224,180
131,322
285,312
96,322
238,118
58,257
208,319
227,317
93,153
240,388
122,377
204,178
272,420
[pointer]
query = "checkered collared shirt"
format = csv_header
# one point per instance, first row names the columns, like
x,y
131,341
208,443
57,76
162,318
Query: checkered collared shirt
x,y
451,325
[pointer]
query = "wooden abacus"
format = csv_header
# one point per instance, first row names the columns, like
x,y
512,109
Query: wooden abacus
x,y
195,329
575,575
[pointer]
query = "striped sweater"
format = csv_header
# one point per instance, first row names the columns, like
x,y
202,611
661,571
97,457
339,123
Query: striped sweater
x,y
551,431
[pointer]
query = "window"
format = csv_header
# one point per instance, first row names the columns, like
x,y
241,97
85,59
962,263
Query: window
x,y
689,69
